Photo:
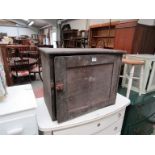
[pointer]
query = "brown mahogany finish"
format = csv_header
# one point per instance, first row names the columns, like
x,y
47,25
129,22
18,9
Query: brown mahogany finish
x,y
127,35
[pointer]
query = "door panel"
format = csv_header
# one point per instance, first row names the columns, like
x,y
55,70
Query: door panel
x,y
85,83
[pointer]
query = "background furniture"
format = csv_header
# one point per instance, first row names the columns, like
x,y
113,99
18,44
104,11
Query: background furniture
x,y
130,76
4,58
135,38
5,49
18,112
105,121
126,35
148,84
102,35
68,38
70,74
37,67
21,69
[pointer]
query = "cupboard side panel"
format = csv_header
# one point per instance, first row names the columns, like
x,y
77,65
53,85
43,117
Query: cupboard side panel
x,y
48,84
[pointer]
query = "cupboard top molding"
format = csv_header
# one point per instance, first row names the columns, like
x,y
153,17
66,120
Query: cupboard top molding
x,y
75,51
115,23
104,24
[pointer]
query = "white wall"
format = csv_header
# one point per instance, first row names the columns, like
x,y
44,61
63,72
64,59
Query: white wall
x,y
147,21
17,31
80,24
83,24
53,35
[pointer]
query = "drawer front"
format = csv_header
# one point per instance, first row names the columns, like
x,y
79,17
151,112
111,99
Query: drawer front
x,y
114,129
93,127
19,126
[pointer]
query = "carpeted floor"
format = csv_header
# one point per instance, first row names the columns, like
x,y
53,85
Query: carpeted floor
x,y
37,86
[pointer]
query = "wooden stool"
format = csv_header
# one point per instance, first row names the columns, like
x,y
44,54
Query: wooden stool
x,y
130,77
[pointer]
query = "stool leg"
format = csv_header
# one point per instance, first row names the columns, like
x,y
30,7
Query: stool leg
x,y
124,75
141,79
130,81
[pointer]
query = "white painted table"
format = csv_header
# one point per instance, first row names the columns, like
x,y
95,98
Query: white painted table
x,y
18,111
148,84
107,120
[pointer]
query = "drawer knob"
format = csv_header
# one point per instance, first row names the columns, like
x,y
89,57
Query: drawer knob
x,y
98,124
59,86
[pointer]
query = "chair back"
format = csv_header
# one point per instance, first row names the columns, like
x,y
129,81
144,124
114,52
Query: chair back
x,y
34,53
11,52
24,52
22,64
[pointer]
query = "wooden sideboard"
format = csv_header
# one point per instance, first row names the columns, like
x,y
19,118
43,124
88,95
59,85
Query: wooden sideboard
x,y
127,35
135,38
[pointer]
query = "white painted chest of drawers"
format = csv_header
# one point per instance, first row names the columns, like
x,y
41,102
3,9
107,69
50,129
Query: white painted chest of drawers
x,y
106,121
18,111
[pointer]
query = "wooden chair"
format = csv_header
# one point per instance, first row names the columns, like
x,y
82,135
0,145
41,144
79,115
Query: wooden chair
x,y
37,68
131,77
24,52
33,52
21,69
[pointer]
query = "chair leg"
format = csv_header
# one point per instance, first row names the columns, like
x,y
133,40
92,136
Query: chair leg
x,y
141,79
130,81
30,77
40,77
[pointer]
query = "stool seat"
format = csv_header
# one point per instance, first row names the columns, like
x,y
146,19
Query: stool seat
x,y
133,62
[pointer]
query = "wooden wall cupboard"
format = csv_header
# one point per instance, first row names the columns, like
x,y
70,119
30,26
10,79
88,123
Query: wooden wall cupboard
x,y
77,81
127,35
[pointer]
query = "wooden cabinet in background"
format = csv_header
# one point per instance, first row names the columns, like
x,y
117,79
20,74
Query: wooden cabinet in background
x,y
127,35
135,38
102,35
69,38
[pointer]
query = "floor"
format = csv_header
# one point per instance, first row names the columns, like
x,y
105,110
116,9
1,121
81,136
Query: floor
x,y
37,86
140,114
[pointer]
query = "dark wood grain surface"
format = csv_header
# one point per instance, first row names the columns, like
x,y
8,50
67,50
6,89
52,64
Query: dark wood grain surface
x,y
77,84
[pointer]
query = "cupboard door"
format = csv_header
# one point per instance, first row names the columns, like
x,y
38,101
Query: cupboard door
x,y
84,83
